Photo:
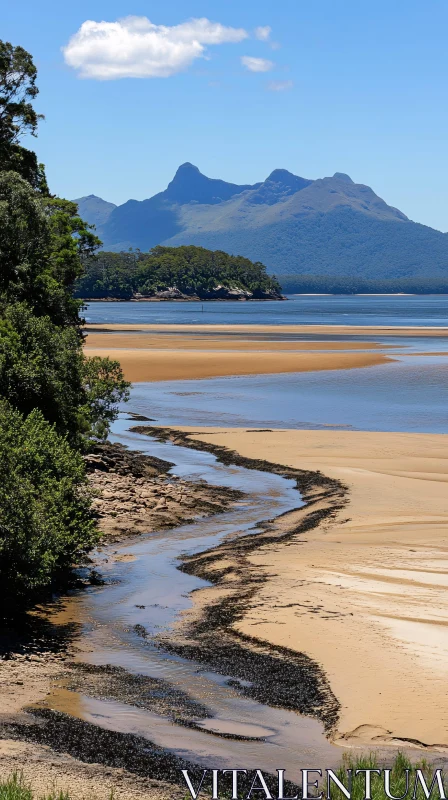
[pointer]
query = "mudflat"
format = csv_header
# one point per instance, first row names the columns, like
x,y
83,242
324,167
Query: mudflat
x,y
364,593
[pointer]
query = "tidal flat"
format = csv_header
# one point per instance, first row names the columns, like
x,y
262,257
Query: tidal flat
x,y
296,623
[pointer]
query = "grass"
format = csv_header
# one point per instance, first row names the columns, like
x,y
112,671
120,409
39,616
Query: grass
x,y
398,787
15,788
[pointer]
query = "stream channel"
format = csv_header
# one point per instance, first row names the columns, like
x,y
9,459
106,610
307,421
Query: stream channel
x,y
145,588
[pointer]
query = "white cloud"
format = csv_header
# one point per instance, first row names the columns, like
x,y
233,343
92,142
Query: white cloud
x,y
263,32
280,86
133,47
256,64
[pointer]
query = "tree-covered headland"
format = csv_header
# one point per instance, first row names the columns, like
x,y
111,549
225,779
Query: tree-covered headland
x,y
189,271
53,400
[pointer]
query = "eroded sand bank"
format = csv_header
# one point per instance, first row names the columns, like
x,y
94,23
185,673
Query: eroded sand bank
x,y
365,594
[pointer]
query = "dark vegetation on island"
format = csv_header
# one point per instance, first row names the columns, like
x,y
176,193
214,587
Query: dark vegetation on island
x,y
53,400
175,273
346,284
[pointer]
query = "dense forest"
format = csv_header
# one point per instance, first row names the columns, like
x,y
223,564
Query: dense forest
x,y
53,400
347,284
169,271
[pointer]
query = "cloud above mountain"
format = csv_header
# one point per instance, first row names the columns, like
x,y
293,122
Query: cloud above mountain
x,y
134,47
256,64
263,33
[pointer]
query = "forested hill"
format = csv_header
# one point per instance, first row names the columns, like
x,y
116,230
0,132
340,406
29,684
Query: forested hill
x,y
174,273
296,226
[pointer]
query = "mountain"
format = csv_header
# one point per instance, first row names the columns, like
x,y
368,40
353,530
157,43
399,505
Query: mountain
x,y
95,210
296,226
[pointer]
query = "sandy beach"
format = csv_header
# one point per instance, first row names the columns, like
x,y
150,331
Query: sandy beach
x,y
167,365
160,357
364,595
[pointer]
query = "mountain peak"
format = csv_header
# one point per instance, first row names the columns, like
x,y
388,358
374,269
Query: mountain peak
x,y
94,209
342,176
187,167
190,185
279,184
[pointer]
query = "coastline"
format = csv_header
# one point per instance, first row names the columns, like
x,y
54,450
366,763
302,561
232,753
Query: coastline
x,y
283,631
363,594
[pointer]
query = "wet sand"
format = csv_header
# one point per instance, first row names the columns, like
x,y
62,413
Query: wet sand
x,y
166,365
363,594
345,330
161,341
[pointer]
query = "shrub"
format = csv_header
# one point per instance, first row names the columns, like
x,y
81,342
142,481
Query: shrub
x,y
45,519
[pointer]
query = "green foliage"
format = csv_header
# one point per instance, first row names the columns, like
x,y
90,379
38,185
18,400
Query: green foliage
x,y
397,777
192,270
45,523
16,788
52,399
42,241
17,116
336,242
42,366
104,388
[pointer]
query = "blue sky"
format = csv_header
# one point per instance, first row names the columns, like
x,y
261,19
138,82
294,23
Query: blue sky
x,y
353,86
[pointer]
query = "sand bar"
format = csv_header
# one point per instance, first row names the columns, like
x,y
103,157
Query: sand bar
x,y
365,595
346,330
147,341
166,365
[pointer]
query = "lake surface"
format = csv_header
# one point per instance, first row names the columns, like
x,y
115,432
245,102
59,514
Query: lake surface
x,y
400,310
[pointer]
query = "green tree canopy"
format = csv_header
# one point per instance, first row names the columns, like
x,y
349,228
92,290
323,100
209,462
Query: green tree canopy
x,y
17,114
52,398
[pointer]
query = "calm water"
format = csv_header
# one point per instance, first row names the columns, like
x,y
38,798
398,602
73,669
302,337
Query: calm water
x,y
297,310
409,395
148,590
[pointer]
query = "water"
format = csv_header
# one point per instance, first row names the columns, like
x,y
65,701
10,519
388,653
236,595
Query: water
x,y
408,395
148,590
396,310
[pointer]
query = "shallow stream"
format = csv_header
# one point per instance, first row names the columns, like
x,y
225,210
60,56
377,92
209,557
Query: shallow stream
x,y
144,588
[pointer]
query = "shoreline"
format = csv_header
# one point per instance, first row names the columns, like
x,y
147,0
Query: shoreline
x,y
281,674
368,583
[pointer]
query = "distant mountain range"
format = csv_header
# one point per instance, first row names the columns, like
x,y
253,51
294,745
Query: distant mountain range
x,y
295,226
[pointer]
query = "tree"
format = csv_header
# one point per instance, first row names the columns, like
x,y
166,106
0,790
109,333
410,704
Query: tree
x,y
17,115
42,366
52,399
45,519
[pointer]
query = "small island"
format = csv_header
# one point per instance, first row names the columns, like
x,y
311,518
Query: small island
x,y
175,273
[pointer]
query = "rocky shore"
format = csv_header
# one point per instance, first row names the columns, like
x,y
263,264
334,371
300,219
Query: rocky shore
x,y
134,493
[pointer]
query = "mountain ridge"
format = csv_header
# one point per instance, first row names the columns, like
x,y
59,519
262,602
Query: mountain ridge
x,y
292,224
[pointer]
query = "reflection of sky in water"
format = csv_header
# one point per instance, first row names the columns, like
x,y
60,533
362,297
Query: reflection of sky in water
x,y
408,395
429,310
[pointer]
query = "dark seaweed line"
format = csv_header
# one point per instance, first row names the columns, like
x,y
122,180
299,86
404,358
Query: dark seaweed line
x,y
279,676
